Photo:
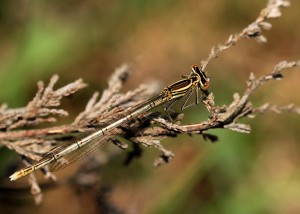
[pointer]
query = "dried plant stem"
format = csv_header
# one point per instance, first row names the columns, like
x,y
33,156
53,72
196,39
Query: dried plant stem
x,y
150,128
252,31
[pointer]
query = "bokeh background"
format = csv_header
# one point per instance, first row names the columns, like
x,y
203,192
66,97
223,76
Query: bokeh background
x,y
255,173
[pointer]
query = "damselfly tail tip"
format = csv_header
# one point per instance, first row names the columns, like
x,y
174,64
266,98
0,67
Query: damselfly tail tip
x,y
16,176
21,173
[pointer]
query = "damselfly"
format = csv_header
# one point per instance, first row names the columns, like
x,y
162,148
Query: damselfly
x,y
63,156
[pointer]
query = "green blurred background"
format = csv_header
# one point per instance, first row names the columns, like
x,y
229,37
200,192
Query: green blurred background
x,y
256,173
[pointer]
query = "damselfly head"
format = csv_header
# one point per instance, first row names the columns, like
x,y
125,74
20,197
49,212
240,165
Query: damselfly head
x,y
195,69
204,85
203,80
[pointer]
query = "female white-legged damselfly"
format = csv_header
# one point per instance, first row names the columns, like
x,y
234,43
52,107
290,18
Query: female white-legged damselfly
x,y
62,156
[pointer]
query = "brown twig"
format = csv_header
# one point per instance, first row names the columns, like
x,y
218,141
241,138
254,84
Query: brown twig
x,y
148,130
252,31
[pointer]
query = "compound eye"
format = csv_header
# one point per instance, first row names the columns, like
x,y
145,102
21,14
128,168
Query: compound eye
x,y
205,86
195,69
